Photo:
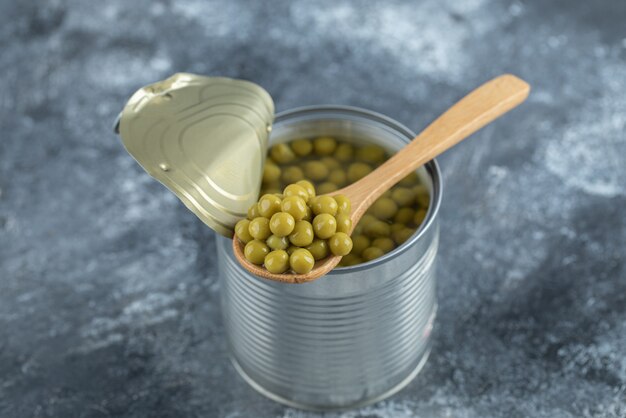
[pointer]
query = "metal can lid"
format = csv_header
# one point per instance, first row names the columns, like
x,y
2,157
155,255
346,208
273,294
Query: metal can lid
x,y
205,139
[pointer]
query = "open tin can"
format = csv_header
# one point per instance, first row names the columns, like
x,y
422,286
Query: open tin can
x,y
348,339
358,334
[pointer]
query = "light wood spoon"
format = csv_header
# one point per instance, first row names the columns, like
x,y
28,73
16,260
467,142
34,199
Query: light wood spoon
x,y
477,109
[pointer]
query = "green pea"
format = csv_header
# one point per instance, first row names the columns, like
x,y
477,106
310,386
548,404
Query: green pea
x,y
340,244
371,154
404,216
344,152
324,204
422,196
253,211
350,260
268,205
331,163
356,171
295,206
296,190
344,223
291,249
259,228
384,243
277,261
403,196
324,225
277,243
315,170
309,215
402,235
419,217
337,176
324,145
241,230
282,224
377,229
271,172
367,219
397,227
282,154
360,243
301,261
409,180
292,174
302,147
343,204
384,208
327,187
308,186
319,249
255,251
371,253
302,234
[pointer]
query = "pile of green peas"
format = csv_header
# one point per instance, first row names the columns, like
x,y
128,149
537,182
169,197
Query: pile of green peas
x,y
293,229
330,164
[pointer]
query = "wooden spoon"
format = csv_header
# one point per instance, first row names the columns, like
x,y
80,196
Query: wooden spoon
x,y
477,109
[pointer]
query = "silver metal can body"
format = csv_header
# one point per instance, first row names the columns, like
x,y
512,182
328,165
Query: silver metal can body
x,y
354,336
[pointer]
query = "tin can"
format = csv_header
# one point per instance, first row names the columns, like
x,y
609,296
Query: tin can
x,y
358,334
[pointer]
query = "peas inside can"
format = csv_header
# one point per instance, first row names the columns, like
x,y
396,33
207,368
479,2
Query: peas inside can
x,y
329,164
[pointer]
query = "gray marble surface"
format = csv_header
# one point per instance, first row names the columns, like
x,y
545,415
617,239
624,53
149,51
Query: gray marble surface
x,y
108,287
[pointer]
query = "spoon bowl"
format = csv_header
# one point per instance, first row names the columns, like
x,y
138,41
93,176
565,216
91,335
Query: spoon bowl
x,y
468,115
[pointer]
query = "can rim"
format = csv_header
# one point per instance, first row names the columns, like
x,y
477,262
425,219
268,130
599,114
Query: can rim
x,y
432,168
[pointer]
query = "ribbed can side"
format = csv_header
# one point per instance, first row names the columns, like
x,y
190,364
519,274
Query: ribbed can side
x,y
328,352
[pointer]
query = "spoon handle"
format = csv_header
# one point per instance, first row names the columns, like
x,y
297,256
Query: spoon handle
x,y
472,112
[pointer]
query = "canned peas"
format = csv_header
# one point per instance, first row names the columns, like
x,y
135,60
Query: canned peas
x,y
315,226
325,164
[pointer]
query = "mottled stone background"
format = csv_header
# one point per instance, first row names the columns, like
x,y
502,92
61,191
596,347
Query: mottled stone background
x,y
108,288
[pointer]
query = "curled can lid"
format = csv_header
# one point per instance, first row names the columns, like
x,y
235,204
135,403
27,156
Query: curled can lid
x,y
205,139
